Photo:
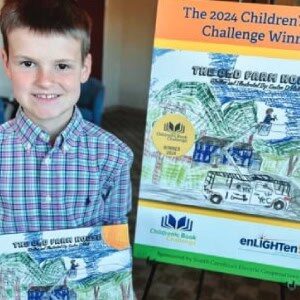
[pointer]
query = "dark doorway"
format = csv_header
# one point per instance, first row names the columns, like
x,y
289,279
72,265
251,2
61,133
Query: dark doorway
x,y
95,8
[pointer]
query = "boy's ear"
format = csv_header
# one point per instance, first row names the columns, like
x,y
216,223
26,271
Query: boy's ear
x,y
4,58
86,69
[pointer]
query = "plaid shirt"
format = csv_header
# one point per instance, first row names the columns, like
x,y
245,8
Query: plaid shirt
x,y
83,180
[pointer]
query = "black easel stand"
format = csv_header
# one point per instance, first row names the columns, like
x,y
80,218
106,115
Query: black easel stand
x,y
282,292
154,265
150,278
200,284
290,286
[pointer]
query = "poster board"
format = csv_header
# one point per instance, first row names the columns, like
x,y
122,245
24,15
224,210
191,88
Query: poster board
x,y
221,176
83,263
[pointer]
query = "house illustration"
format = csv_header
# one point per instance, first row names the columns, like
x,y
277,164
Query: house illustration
x,y
48,293
210,150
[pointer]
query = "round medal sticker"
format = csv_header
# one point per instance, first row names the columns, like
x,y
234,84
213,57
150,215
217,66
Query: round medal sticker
x,y
173,135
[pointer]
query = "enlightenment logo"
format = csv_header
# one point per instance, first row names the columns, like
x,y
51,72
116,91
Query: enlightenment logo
x,y
271,245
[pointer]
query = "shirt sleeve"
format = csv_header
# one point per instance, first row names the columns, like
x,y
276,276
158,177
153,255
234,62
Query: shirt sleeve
x,y
118,201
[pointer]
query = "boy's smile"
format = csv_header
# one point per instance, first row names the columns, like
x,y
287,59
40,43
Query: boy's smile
x,y
46,71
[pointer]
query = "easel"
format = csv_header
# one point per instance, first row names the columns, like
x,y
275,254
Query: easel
x,y
154,265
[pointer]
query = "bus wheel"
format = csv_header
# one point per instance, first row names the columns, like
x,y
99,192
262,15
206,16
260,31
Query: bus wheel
x,y
216,199
278,205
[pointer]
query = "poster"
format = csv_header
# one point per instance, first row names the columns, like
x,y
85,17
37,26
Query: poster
x,y
220,184
74,264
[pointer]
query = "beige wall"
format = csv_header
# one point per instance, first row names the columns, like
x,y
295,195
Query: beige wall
x,y
112,51
129,31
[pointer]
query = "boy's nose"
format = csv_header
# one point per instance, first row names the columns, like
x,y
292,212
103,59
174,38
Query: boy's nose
x,y
44,78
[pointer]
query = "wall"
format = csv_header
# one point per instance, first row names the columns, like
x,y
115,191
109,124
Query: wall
x,y
139,26
129,31
112,51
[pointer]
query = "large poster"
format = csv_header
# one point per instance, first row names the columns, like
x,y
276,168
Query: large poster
x,y
75,264
221,172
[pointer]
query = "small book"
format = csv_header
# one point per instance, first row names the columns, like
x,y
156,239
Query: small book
x,y
73,264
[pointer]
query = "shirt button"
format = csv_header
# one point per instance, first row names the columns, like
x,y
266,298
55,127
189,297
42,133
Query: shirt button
x,y
43,137
66,148
27,146
48,198
47,161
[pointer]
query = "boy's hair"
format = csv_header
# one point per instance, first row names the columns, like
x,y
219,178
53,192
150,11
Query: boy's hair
x,y
47,16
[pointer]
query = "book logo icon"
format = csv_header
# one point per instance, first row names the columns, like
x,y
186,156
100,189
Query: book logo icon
x,y
184,223
171,127
173,135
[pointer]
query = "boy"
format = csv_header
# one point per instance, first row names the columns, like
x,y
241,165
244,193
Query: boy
x,y
57,170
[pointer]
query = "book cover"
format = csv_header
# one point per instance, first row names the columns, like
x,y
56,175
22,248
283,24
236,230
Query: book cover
x,y
84,263
220,183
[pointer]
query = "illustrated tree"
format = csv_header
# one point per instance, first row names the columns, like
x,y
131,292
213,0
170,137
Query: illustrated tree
x,y
195,101
235,121
126,291
17,288
289,149
2,286
96,292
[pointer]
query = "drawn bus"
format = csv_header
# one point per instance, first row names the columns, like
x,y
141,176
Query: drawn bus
x,y
257,189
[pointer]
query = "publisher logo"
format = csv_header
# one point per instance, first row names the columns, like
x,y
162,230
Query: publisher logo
x,y
268,245
171,127
175,230
184,223
173,135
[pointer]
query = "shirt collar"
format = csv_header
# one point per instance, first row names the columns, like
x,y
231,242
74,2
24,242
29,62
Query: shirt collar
x,y
30,132
74,129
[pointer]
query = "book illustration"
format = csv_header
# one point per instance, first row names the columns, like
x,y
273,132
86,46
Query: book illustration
x,y
222,142
260,190
68,264
245,125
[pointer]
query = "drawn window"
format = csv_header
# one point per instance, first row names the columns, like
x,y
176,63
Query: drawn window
x,y
264,186
282,189
220,182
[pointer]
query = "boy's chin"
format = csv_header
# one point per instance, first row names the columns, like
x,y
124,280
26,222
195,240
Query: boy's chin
x,y
49,114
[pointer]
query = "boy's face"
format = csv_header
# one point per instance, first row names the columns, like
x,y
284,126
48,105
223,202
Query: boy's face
x,y
46,71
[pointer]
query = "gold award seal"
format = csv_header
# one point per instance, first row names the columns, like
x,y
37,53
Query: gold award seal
x,y
173,135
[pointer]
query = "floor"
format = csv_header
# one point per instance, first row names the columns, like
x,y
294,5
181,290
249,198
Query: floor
x,y
176,282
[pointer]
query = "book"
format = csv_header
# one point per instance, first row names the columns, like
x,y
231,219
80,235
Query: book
x,y
82,263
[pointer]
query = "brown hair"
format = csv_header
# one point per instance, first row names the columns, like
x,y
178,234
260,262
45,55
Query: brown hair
x,y
47,16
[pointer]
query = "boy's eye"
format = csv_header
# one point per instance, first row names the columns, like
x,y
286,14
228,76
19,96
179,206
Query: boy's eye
x,y
63,66
27,64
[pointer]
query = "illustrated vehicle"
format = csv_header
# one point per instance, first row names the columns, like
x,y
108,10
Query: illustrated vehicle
x,y
256,189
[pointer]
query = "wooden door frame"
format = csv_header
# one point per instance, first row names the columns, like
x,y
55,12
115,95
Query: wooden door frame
x,y
95,9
